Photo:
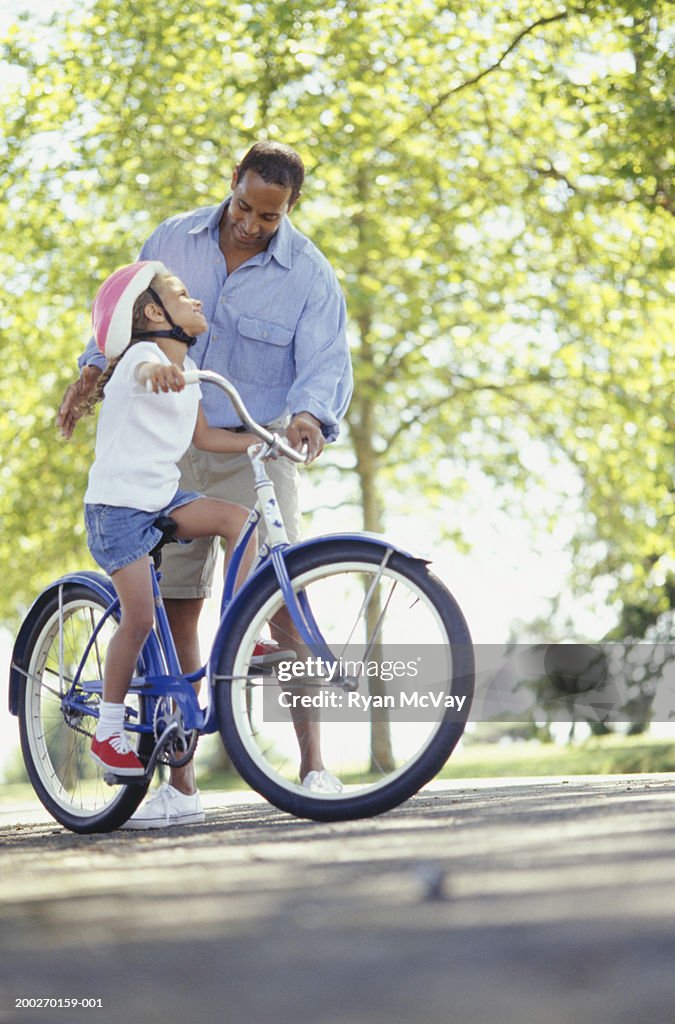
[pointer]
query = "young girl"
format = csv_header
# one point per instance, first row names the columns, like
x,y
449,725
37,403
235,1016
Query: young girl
x,y
144,322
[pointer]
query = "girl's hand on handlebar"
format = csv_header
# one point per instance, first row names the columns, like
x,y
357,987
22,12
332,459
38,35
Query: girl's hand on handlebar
x,y
158,377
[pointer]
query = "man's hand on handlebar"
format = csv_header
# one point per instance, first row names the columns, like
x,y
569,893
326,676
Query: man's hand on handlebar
x,y
305,429
71,408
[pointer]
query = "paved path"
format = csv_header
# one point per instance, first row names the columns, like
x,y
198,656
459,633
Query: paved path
x,y
525,902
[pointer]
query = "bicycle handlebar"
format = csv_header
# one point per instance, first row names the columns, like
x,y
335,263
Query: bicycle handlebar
x,y
211,377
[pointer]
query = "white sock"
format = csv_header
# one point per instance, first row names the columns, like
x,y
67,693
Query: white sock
x,y
111,720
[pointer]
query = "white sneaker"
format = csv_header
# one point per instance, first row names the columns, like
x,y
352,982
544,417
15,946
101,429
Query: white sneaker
x,y
322,782
168,806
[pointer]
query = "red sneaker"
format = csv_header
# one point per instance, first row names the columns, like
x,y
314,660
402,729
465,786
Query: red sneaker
x,y
267,652
116,755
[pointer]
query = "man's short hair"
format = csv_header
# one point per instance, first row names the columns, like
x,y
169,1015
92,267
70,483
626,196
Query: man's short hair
x,y
276,164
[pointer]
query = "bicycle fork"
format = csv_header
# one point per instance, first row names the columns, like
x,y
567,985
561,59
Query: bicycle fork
x,y
297,603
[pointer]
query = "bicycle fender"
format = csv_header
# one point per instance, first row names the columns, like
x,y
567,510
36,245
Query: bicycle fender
x,y
327,541
374,538
101,585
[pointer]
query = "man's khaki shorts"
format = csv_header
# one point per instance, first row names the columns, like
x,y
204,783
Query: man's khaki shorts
x,y
187,569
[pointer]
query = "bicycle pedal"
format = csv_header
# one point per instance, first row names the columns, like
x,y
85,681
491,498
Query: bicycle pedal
x,y
125,780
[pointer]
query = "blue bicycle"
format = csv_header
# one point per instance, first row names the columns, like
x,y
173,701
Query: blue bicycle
x,y
373,651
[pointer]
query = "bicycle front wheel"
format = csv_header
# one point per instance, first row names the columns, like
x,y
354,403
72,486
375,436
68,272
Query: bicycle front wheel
x,y
56,731
384,709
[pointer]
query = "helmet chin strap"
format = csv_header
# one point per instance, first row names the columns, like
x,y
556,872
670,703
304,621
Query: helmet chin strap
x,y
176,332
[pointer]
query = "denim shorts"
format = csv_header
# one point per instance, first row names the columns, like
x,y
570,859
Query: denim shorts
x,y
118,536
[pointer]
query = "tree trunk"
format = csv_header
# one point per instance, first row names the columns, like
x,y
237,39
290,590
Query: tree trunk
x,y
366,468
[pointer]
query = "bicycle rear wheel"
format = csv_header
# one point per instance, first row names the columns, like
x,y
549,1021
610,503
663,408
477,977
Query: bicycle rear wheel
x,y
55,734
376,608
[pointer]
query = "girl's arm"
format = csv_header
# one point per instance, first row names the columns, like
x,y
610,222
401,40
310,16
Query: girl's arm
x,y
217,439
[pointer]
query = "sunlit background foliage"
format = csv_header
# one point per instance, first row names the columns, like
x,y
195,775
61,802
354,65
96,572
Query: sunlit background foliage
x,y
490,180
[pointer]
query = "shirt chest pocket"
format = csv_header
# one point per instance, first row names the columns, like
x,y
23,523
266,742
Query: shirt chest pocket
x,y
262,350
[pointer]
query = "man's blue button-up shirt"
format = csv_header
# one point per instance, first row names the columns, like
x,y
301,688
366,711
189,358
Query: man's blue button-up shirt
x,y
276,323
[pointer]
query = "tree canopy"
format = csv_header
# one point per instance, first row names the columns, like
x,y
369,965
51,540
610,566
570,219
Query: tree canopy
x,y
490,182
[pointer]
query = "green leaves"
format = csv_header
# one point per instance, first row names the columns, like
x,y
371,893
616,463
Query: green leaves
x,y
489,181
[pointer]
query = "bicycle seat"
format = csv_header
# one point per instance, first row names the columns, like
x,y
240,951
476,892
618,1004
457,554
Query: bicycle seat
x,y
168,527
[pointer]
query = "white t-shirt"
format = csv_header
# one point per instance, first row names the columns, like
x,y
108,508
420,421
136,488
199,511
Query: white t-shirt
x,y
141,436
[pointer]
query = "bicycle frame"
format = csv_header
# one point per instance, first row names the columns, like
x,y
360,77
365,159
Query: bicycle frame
x,y
322,597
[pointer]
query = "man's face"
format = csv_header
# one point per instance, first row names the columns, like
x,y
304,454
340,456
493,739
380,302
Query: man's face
x,y
256,210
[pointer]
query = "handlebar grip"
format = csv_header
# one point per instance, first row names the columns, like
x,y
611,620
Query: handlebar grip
x,y
290,453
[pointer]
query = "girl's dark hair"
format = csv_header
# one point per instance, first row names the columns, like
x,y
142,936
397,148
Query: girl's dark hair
x,y
276,164
139,322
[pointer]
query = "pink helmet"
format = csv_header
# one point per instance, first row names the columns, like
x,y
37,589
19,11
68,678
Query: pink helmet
x,y
114,304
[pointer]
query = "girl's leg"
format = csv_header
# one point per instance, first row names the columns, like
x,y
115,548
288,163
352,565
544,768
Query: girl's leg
x,y
211,517
134,589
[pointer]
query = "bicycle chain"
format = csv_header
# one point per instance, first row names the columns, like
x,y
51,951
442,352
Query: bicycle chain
x,y
189,739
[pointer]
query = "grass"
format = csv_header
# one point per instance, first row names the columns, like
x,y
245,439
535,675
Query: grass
x,y
608,755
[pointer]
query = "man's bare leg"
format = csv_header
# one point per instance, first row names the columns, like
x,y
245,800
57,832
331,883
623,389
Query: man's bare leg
x,y
183,618
306,723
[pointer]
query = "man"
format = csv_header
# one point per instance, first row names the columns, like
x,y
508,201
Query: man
x,y
276,320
